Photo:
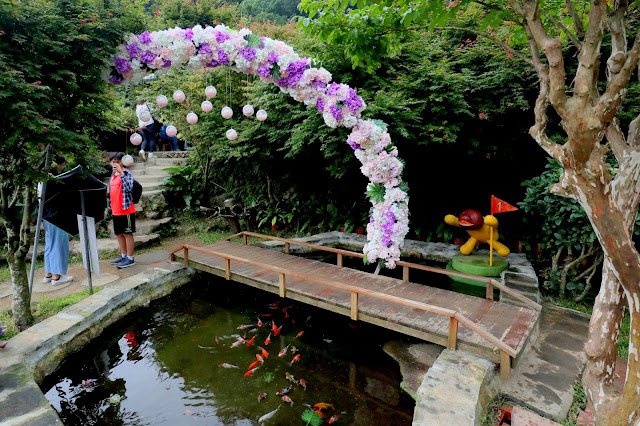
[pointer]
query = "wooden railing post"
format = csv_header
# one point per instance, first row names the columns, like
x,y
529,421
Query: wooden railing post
x,y
489,290
287,248
505,365
354,306
227,269
453,334
405,273
244,239
172,257
283,292
186,256
339,260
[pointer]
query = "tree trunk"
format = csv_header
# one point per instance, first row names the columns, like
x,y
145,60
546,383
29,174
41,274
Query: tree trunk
x,y
21,304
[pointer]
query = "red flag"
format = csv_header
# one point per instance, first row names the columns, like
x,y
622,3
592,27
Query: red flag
x,y
499,206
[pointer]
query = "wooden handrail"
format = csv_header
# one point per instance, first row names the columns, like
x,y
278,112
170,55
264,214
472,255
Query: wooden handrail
x,y
358,290
341,252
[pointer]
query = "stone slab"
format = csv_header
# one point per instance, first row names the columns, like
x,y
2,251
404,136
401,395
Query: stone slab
x,y
456,391
41,287
522,417
100,280
5,289
414,359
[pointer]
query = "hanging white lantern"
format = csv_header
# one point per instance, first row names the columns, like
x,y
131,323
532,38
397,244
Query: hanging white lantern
x,y
127,160
179,96
210,92
171,131
206,106
232,134
162,101
247,110
192,118
261,115
227,112
145,116
135,139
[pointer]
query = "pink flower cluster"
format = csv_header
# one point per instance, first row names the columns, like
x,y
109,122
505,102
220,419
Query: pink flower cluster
x,y
276,62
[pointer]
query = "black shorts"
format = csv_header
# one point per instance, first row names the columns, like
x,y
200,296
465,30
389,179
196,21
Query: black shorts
x,y
125,224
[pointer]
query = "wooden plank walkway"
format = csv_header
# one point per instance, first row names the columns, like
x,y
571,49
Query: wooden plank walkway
x,y
508,324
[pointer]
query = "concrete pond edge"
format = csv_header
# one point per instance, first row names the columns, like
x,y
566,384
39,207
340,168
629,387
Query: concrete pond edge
x,y
39,350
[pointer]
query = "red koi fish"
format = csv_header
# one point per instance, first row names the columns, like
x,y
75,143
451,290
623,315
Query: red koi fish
x,y
253,364
299,335
259,322
264,352
285,308
288,400
273,307
277,330
315,410
243,326
265,315
303,384
250,372
260,359
262,396
286,314
334,418
225,365
295,359
284,351
250,342
266,342
273,326
217,341
284,391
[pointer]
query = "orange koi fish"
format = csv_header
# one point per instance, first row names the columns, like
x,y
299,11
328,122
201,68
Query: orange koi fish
x,y
264,352
286,399
250,342
334,418
295,359
284,351
315,410
260,359
277,331
225,365
289,377
250,372
262,396
303,384
299,335
294,349
273,326
322,405
253,364
266,342
259,322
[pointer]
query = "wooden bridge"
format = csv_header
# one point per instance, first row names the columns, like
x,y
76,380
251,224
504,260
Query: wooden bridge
x,y
493,330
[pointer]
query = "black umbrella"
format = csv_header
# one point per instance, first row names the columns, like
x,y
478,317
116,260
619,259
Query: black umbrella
x,y
62,199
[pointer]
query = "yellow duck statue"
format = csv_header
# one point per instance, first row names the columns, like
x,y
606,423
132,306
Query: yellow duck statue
x,y
479,230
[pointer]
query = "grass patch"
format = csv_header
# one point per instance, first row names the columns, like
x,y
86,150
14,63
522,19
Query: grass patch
x,y
623,339
570,304
579,404
43,310
490,418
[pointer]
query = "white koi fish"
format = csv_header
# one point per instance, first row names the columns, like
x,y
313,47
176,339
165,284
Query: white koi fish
x,y
268,415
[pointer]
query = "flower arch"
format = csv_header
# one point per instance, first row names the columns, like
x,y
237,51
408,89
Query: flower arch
x,y
276,62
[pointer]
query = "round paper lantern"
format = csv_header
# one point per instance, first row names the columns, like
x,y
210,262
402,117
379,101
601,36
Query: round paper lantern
x,y
171,131
227,112
231,134
127,160
178,96
206,106
162,101
135,139
247,110
192,118
145,116
210,92
261,115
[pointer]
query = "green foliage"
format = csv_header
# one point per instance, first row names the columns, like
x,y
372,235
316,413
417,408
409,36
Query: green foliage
x,y
268,377
623,339
311,418
579,404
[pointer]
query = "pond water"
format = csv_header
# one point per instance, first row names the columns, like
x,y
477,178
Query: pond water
x,y
161,365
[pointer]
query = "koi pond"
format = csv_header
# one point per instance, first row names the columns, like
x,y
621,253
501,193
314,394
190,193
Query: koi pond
x,y
175,361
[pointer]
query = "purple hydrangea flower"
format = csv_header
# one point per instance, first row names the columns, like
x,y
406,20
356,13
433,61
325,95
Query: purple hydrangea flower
x,y
333,89
353,145
320,104
205,49
385,240
122,65
390,215
133,50
223,59
388,227
147,57
166,63
318,84
264,71
272,58
145,37
294,73
353,102
248,53
222,37
114,79
261,46
188,34
336,112
371,220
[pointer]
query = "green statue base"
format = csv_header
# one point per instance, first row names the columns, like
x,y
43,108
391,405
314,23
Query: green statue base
x,y
474,264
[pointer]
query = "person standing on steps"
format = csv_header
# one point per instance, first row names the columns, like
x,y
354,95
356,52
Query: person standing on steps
x,y
147,127
56,246
123,211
